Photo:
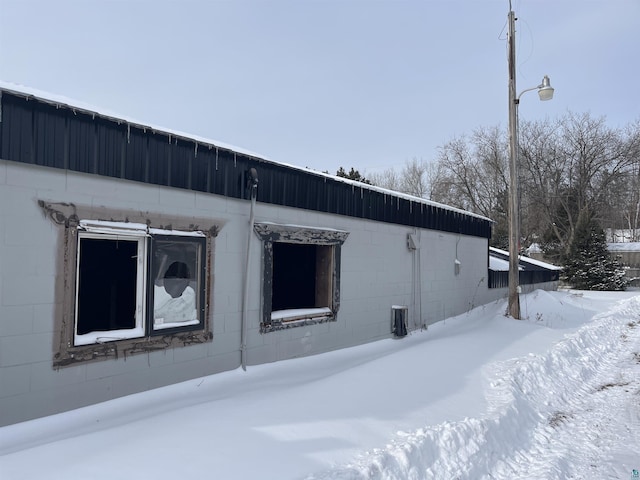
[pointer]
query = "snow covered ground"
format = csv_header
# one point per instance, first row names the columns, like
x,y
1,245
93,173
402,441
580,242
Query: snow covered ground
x,y
476,396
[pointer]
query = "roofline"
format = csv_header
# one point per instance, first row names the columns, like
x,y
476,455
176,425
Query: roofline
x,y
62,101
522,258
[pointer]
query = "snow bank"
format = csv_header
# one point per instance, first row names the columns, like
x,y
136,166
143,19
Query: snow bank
x,y
529,400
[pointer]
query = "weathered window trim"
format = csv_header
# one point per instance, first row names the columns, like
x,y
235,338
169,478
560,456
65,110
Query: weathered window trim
x,y
271,233
66,217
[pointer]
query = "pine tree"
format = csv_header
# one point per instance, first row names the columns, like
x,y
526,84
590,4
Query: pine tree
x,y
352,175
588,265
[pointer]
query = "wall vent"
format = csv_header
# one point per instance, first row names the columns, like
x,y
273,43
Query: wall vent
x,y
399,314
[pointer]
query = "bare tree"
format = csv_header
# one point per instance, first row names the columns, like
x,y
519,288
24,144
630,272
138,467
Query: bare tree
x,y
473,176
621,200
414,179
574,163
389,179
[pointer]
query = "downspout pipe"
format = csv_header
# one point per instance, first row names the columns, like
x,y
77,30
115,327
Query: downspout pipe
x,y
252,187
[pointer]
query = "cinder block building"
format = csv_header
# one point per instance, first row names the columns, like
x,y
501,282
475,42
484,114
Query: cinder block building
x,y
133,257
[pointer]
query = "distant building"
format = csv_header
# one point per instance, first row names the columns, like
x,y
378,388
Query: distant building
x,y
629,255
533,274
622,235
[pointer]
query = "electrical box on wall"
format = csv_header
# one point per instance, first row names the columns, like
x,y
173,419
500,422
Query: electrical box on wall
x,y
412,241
399,315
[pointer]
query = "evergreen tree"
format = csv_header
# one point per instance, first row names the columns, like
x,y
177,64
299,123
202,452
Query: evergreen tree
x,y
352,175
588,265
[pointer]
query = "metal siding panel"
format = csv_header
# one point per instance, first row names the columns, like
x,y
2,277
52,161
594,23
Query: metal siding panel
x,y
303,189
159,154
288,190
217,173
344,196
339,196
82,146
203,158
379,205
368,203
281,194
266,185
313,195
181,155
343,192
329,197
136,154
49,137
347,200
221,177
214,171
336,197
236,183
110,138
296,198
405,210
276,184
290,197
358,202
17,129
263,175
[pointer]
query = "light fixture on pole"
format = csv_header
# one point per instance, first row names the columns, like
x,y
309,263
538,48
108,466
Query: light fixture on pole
x,y
545,92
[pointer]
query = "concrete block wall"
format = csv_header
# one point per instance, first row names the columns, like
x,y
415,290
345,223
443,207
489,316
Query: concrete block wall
x,y
30,263
377,271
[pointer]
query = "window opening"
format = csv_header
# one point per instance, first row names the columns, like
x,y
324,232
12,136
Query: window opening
x,y
110,288
302,279
130,284
301,276
294,276
178,286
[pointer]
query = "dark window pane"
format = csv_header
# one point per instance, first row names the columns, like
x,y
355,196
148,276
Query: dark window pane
x,y
106,285
294,276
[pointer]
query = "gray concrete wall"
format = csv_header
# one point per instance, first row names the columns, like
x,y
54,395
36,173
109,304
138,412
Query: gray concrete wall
x,y
378,271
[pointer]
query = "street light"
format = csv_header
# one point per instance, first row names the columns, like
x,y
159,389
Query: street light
x,y
545,92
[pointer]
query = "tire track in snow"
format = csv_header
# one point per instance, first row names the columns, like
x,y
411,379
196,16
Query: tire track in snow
x,y
571,413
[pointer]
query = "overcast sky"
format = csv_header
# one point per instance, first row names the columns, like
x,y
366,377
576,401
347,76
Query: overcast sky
x,y
322,84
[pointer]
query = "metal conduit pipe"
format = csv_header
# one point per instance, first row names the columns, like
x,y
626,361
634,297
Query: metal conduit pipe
x,y
252,186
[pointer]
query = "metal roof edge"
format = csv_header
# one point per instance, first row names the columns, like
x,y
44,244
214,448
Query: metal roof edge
x,y
62,101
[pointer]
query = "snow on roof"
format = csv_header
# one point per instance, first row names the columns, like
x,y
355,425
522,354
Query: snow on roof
x,y
523,259
60,100
624,247
498,264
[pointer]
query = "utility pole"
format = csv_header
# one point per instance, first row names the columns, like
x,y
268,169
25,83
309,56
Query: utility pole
x,y
514,206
